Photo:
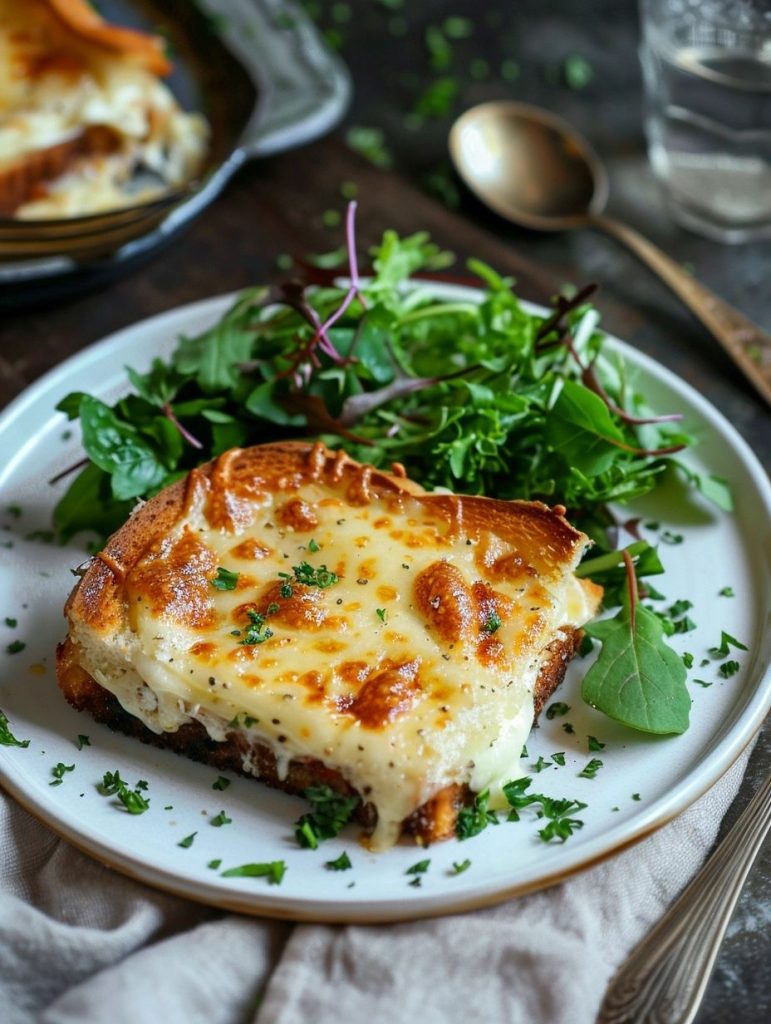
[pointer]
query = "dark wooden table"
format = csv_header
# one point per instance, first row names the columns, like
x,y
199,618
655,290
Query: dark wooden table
x,y
277,206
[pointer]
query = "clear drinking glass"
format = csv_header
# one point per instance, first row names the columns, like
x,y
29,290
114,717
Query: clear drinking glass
x,y
707,71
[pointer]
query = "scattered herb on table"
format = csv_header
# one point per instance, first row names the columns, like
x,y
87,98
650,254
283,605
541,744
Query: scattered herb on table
x,y
221,819
188,841
458,867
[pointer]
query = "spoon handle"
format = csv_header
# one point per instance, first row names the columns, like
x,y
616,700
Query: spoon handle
x,y
665,976
744,341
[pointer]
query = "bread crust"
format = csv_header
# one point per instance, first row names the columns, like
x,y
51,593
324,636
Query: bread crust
x,y
433,822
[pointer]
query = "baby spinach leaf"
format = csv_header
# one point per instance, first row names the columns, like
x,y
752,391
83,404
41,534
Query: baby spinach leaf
x,y
637,679
118,449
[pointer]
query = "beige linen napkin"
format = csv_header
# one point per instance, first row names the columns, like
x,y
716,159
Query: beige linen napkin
x,y
79,943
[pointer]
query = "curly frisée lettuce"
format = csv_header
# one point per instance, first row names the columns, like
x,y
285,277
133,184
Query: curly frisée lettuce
x,y
475,394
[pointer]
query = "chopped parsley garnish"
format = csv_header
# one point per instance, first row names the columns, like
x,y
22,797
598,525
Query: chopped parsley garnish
x,y
187,842
557,709
214,864
687,659
256,632
273,870
58,773
559,758
556,811
82,741
382,614
16,647
113,785
458,867
567,726
590,770
680,608
726,643
419,869
225,579
524,751
220,783
636,796
313,546
330,813
702,682
220,819
11,623
492,623
726,592
594,743
341,863
7,739
242,720
475,818
540,764
729,668
312,576
416,882
672,538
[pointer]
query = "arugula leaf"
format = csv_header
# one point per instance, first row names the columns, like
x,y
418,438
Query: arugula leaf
x,y
637,679
581,429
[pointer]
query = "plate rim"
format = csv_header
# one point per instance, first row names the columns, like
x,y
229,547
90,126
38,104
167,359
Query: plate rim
x,y
659,813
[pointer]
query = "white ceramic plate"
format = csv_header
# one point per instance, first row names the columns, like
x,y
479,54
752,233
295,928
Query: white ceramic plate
x,y
644,780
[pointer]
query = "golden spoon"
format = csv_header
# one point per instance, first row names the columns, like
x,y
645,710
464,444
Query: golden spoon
x,y
533,169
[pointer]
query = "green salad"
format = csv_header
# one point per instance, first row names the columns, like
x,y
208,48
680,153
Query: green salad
x,y
479,396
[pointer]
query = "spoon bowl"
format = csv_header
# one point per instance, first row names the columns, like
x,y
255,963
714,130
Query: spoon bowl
x,y
528,165
535,170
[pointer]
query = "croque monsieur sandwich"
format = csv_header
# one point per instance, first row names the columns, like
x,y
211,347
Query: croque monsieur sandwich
x,y
83,114
288,613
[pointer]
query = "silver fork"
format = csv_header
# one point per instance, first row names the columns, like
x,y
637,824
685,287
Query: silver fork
x,y
664,978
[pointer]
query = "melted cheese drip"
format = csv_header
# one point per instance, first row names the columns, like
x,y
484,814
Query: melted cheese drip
x,y
459,717
54,86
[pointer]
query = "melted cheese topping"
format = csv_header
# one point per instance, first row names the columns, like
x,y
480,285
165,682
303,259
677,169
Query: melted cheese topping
x,y
54,87
413,671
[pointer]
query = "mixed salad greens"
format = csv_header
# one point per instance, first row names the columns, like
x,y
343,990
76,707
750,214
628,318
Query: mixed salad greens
x,y
481,397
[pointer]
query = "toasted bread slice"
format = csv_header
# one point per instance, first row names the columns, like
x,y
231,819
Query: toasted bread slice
x,y
291,614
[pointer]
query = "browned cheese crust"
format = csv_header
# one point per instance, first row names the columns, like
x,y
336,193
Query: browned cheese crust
x,y
545,538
